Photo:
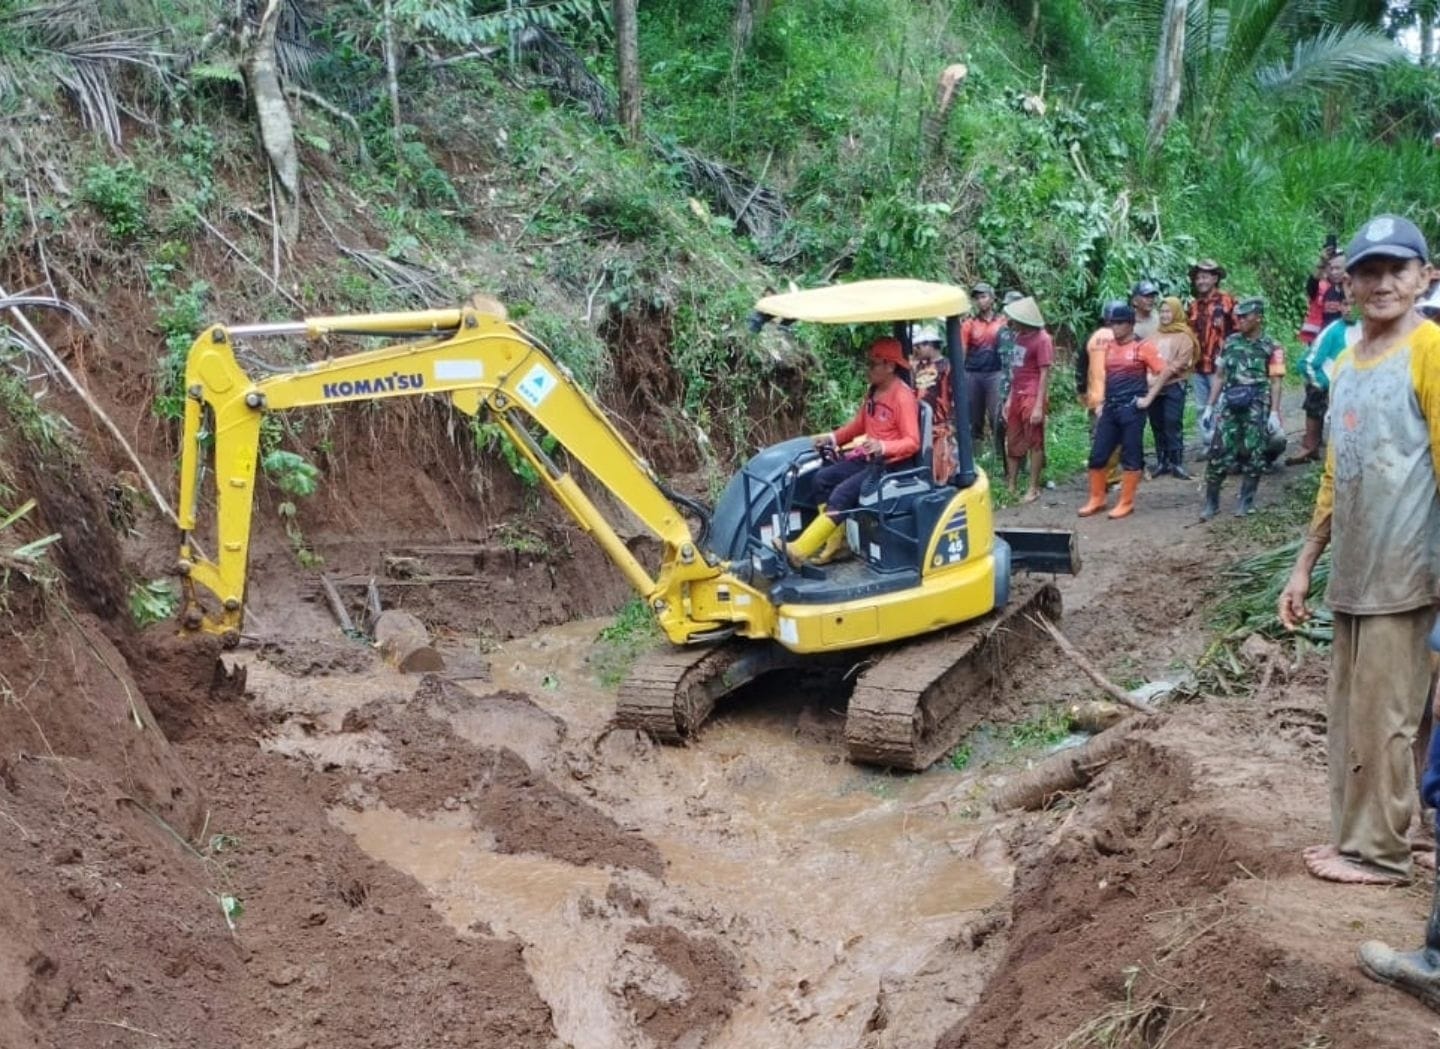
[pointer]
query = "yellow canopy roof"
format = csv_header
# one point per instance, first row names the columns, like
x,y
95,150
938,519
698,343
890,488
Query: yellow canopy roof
x,y
868,300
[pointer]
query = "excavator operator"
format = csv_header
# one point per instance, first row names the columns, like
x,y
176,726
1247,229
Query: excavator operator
x,y
886,426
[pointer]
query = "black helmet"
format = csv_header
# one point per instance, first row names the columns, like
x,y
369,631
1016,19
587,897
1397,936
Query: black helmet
x,y
1117,310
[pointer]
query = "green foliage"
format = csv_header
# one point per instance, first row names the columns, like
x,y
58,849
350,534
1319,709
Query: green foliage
x,y
633,631
490,438
1045,729
153,601
466,25
119,192
961,756
296,477
292,474
180,315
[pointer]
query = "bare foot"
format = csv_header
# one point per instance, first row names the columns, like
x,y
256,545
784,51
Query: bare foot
x,y
1030,496
1423,858
1320,852
1337,868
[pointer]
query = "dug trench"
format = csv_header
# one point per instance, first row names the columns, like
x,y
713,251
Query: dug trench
x,y
306,847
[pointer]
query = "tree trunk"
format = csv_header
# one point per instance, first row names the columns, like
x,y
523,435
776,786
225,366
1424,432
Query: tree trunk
x,y
627,62
392,76
1427,38
748,15
277,133
1169,71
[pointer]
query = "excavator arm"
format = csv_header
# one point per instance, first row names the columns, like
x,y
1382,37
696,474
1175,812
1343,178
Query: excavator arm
x,y
477,359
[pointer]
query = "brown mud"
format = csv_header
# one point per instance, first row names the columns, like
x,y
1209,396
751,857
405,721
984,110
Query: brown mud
x,y
305,847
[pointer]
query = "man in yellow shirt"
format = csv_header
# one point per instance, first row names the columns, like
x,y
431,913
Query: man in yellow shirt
x,y
1379,511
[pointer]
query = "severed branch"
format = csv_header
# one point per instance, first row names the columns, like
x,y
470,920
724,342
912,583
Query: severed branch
x,y
321,102
39,342
1077,657
249,261
336,605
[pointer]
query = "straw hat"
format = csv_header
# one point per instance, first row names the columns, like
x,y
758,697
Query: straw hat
x,y
1025,311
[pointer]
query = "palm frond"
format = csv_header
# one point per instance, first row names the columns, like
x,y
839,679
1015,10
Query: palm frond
x,y
60,44
1334,57
1247,34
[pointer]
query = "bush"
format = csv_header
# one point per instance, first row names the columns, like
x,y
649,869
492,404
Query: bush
x,y
119,193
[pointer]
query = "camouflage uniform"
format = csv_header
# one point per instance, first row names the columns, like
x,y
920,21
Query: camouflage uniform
x,y
1241,435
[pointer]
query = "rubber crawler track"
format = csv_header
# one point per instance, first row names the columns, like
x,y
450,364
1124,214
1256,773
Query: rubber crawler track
x,y
915,701
910,705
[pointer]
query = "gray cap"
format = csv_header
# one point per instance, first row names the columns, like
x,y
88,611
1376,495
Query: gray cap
x,y
1386,237
1145,287
981,288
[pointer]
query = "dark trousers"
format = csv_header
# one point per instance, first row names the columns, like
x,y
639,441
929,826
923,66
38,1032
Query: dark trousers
x,y
984,390
1167,421
1120,425
838,484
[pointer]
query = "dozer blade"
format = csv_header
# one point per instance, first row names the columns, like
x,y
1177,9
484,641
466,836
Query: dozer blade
x,y
916,699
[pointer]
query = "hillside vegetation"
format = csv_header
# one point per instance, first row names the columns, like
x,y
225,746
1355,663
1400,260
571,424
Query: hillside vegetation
x,y
174,163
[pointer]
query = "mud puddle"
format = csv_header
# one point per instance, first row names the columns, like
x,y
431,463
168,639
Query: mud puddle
x,y
531,898
825,881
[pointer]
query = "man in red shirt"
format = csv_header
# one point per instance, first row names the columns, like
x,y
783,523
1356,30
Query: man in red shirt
x,y
1212,319
886,426
1025,408
980,337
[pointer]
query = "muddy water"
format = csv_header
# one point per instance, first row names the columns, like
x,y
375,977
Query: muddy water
x,y
534,899
825,880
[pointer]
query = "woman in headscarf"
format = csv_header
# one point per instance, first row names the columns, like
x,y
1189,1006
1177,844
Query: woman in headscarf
x,y
1179,349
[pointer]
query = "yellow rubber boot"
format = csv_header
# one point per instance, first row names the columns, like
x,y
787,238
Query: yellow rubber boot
x,y
1129,485
809,542
1097,494
836,548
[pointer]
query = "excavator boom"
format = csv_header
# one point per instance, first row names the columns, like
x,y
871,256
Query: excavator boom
x,y
477,360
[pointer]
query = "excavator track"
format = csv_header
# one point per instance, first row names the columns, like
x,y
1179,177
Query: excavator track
x,y
915,700
670,692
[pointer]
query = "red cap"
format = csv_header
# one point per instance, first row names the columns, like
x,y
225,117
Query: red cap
x,y
888,351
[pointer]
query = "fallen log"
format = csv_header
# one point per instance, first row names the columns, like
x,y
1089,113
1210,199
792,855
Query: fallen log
x,y
1067,770
405,643
336,605
1088,668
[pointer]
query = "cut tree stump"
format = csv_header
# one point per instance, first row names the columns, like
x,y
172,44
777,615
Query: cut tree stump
x,y
405,643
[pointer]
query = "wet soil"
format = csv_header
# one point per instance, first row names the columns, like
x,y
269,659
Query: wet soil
x,y
478,858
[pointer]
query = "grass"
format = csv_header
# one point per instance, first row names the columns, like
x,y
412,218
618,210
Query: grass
x,y
623,641
1041,731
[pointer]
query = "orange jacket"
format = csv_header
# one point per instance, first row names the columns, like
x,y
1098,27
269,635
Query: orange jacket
x,y
892,417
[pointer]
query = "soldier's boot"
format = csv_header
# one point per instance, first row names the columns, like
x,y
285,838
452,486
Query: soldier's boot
x,y
1414,972
1246,503
1097,494
1212,501
1177,466
1129,485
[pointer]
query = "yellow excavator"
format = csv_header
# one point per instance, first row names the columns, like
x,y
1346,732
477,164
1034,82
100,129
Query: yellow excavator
x,y
916,621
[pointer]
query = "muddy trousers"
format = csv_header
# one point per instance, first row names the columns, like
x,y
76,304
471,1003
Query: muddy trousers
x,y
1121,425
1167,424
1379,686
